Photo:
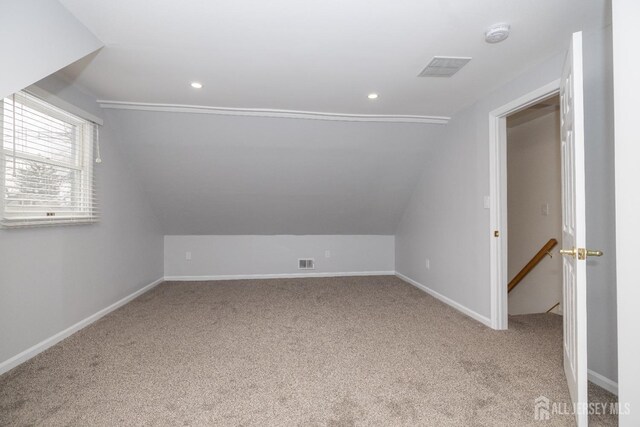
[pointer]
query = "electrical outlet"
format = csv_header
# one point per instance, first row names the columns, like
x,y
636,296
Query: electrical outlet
x,y
427,263
187,256
327,254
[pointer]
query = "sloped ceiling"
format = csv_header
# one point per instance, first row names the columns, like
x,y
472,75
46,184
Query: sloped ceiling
x,y
208,174
37,38
225,174
318,55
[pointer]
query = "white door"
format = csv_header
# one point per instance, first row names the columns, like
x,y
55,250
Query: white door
x,y
573,229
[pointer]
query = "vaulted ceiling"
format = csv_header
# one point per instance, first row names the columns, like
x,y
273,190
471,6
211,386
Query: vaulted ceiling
x,y
28,31
318,55
242,171
210,174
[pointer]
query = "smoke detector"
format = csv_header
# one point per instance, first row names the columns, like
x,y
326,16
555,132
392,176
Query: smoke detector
x,y
497,33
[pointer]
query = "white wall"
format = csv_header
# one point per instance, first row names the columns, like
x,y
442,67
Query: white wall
x,y
445,220
600,203
213,256
37,38
626,33
54,277
533,165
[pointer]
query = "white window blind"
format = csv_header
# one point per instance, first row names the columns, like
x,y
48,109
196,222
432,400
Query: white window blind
x,y
46,164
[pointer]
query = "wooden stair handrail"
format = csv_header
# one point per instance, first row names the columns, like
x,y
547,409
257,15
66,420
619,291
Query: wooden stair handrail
x,y
545,250
557,304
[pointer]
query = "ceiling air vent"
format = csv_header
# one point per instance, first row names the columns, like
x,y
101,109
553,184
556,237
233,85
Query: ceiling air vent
x,y
443,66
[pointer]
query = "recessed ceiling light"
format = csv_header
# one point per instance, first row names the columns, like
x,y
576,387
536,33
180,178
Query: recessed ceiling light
x,y
372,96
196,85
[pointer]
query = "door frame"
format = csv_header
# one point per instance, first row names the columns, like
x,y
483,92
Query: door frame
x,y
498,197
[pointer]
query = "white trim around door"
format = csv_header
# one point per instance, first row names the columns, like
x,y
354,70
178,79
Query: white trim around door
x,y
498,196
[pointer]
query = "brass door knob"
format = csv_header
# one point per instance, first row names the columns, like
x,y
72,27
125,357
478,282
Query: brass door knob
x,y
582,253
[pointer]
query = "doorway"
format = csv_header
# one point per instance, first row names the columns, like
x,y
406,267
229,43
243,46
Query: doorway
x,y
498,197
577,135
534,209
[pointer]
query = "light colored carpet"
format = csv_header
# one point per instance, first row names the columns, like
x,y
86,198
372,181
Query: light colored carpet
x,y
329,351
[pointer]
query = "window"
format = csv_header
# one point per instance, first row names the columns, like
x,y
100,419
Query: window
x,y
46,164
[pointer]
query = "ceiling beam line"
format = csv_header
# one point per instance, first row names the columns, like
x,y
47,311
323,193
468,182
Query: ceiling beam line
x,y
286,114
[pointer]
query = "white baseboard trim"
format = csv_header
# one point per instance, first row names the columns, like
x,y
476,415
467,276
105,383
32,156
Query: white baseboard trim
x,y
604,382
275,276
476,316
20,358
